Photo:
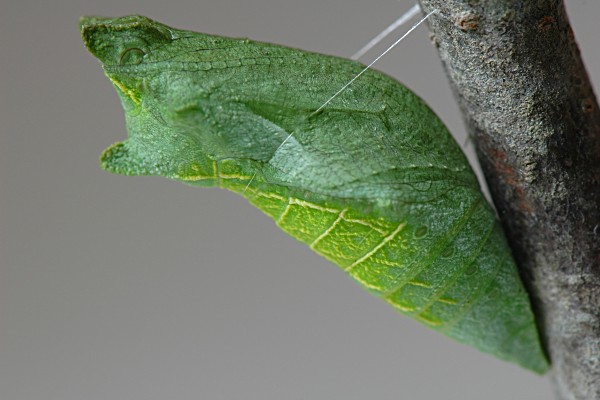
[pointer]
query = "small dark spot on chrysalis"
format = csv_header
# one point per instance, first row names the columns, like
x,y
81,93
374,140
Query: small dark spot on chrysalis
x,y
448,252
421,231
587,105
495,292
471,270
466,21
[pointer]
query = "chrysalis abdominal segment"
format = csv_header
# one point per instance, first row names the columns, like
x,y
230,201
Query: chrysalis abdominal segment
x,y
373,182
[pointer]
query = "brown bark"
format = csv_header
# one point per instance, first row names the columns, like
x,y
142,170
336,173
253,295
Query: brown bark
x,y
528,104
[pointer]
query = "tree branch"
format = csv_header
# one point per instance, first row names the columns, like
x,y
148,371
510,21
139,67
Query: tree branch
x,y
528,104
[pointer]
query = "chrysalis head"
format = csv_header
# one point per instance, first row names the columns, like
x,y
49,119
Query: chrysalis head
x,y
124,40
124,46
121,44
178,96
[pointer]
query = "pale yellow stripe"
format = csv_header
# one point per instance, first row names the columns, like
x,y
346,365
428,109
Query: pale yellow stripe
x,y
328,230
376,248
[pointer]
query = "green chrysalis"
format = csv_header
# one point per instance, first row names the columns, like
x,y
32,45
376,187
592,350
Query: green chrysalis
x,y
373,182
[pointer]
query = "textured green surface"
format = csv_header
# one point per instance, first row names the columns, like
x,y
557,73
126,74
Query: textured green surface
x,y
374,182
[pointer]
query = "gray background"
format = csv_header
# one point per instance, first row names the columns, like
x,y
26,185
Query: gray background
x,y
142,288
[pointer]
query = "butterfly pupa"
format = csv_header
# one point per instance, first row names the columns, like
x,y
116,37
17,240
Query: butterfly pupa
x,y
374,182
